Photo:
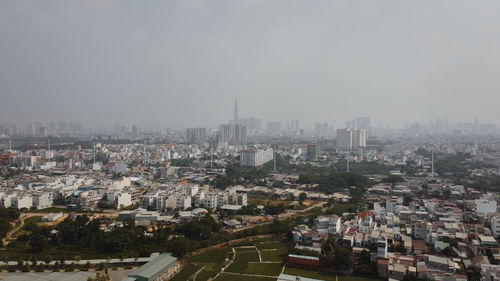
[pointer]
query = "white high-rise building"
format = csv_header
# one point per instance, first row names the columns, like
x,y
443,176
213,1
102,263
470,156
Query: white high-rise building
x,y
42,200
358,138
348,139
22,201
344,139
256,158
210,201
196,135
495,226
183,202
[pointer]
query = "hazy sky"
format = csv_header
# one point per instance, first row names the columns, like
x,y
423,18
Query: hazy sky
x,y
182,63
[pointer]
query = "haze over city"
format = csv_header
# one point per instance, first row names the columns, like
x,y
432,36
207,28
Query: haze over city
x,y
182,63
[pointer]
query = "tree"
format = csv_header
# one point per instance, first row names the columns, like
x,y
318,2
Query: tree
x,y
302,197
34,260
100,277
394,179
179,246
26,267
446,194
38,242
473,273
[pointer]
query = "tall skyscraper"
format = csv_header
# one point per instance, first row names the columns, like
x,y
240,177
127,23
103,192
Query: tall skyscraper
x,y
232,133
363,123
348,139
196,135
312,151
236,120
344,139
134,130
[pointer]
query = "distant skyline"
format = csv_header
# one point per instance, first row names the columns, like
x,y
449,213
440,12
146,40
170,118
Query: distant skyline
x,y
181,63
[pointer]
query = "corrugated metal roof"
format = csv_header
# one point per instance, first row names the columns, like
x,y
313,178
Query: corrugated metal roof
x,y
155,265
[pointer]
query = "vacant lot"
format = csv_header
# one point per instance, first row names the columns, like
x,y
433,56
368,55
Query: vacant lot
x,y
241,261
187,272
212,262
232,277
246,262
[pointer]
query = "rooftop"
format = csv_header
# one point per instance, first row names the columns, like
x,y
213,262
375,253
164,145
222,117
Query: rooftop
x,y
155,265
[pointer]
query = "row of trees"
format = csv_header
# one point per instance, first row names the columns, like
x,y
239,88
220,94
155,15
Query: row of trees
x,y
84,236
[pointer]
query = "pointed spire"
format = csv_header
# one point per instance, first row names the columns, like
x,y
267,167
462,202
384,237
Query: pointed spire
x,y
236,120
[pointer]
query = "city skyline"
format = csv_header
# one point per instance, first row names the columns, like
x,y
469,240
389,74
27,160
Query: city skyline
x,y
182,63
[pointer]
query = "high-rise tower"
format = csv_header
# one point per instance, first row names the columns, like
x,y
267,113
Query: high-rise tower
x,y
236,120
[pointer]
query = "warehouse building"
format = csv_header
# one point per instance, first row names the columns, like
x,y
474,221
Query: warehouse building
x,y
160,268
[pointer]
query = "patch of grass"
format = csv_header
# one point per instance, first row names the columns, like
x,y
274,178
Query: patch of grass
x,y
232,277
270,269
210,270
273,250
52,210
213,261
277,255
270,245
187,271
213,256
325,275
36,220
245,250
241,261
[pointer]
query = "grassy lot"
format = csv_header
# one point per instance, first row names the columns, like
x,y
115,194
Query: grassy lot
x,y
187,271
241,261
271,269
215,256
213,261
245,250
210,270
325,276
232,277
273,250
22,230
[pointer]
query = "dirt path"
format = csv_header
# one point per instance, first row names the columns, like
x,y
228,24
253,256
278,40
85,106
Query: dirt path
x,y
7,238
285,216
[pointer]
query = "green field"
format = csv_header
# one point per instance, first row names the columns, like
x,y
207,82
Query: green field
x,y
241,261
246,261
36,220
325,276
187,271
275,251
232,277
210,270
270,269
213,261
215,256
